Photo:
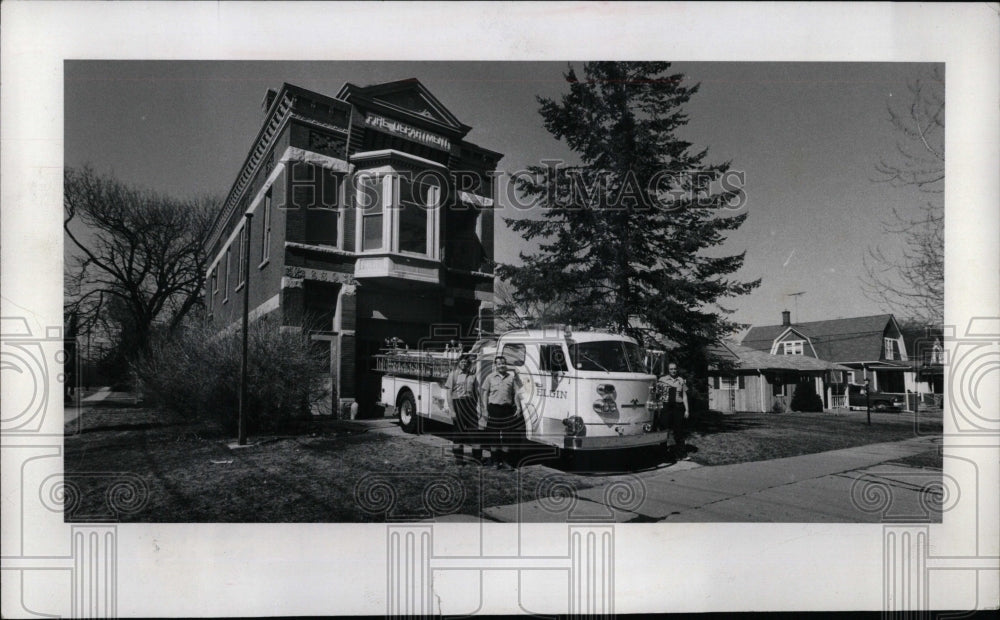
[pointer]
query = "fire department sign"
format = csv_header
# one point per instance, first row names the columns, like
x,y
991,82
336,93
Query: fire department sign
x,y
407,131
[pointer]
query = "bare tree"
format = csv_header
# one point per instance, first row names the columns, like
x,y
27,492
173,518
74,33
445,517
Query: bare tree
x,y
911,283
136,263
513,314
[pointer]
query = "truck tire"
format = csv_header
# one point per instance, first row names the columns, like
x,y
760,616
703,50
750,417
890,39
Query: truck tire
x,y
880,405
408,418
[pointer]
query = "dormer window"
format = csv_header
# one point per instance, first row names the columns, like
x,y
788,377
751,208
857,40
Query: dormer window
x,y
891,349
793,347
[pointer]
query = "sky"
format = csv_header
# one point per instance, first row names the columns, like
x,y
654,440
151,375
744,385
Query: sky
x,y
807,136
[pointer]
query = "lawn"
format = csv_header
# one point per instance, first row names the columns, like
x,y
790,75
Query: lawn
x,y
339,472
739,438
133,464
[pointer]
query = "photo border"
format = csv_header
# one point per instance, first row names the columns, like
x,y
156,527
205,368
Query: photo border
x,y
286,569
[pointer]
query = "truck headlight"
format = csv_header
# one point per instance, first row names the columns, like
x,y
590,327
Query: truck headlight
x,y
575,426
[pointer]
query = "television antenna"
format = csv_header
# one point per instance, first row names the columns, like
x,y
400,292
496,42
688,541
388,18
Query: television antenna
x,y
796,296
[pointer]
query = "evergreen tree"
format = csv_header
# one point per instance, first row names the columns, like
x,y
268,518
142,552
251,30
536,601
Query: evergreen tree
x,y
623,232
805,398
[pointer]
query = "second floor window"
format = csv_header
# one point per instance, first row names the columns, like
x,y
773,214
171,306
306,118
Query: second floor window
x,y
416,199
225,281
239,258
371,202
265,241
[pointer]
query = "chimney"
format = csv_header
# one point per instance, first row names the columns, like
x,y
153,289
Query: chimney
x,y
786,318
268,99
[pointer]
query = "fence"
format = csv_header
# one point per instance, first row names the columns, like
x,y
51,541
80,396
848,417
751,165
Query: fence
x,y
923,401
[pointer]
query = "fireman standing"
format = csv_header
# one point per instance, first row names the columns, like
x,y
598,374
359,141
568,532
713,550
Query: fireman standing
x,y
675,410
463,394
504,423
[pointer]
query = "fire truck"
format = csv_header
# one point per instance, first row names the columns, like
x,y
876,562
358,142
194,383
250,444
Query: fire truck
x,y
587,390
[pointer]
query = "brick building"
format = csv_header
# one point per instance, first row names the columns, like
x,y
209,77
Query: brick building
x,y
371,218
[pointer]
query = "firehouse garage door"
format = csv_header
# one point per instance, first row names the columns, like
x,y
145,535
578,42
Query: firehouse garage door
x,y
380,317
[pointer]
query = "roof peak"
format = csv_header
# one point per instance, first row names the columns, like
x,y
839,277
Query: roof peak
x,y
408,97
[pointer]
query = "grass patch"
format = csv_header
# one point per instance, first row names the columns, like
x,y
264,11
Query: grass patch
x,y
739,438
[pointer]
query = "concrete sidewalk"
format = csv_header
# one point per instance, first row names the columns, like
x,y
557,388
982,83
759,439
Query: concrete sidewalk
x,y
97,396
849,485
74,409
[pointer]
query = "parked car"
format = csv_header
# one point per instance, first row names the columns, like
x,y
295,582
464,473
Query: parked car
x,y
879,401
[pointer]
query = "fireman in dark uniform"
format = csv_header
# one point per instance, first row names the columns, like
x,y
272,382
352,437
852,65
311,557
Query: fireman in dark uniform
x,y
463,394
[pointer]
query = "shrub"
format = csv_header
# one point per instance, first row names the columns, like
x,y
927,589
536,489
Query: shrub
x,y
196,374
806,399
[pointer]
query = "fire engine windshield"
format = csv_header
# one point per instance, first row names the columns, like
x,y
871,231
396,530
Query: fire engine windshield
x,y
607,356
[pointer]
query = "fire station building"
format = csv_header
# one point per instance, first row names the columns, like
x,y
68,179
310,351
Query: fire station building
x,y
370,218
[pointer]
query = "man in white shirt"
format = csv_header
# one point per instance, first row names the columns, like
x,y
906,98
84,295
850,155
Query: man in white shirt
x,y
675,411
504,423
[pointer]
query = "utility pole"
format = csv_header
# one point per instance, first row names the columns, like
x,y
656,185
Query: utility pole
x,y
242,438
868,400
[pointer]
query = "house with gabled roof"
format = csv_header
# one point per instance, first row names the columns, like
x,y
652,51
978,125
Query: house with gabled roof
x,y
747,379
925,345
870,347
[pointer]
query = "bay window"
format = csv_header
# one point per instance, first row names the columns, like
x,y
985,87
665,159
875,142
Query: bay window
x,y
398,213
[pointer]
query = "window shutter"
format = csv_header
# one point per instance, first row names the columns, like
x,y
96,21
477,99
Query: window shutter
x,y
715,382
741,382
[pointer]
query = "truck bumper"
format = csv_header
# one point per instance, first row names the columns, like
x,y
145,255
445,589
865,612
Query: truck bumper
x,y
611,442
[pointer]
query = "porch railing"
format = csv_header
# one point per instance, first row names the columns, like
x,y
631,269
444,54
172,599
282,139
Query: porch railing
x,y
910,400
